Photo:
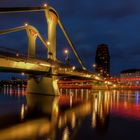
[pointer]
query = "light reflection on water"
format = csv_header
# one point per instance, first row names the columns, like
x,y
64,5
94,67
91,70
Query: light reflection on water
x,y
76,114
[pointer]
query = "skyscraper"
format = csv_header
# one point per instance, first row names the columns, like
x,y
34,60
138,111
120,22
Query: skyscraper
x,y
102,60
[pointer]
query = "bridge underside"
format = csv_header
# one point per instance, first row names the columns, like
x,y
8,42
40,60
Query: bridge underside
x,y
18,66
14,70
43,85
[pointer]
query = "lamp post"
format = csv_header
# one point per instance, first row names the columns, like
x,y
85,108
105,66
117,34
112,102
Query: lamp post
x,y
66,52
94,66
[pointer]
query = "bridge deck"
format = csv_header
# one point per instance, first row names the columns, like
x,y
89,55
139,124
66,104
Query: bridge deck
x,y
12,62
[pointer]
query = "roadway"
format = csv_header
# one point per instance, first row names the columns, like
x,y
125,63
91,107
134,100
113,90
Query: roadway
x,y
18,63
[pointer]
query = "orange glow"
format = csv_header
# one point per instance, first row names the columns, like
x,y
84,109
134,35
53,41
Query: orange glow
x,y
73,121
65,134
128,110
22,111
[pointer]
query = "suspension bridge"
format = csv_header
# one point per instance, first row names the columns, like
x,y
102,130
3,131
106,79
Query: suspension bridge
x,y
43,74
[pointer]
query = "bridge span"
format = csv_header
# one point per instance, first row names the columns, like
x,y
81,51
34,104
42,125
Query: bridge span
x,y
21,63
43,74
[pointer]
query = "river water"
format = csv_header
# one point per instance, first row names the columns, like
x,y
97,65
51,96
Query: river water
x,y
75,115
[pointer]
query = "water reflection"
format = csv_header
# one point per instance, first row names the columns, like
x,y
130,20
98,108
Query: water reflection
x,y
63,117
16,90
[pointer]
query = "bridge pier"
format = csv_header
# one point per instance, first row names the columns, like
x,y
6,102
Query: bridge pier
x,y
43,85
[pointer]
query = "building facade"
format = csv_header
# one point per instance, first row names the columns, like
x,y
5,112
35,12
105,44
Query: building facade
x,y
102,60
130,77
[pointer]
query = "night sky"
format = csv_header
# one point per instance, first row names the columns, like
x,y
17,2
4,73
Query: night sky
x,y
88,23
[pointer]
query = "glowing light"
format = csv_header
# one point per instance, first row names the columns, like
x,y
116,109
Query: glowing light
x,y
96,105
22,73
66,134
66,51
60,123
114,85
17,54
73,121
43,64
26,24
94,65
48,43
22,111
71,96
45,5
73,68
93,122
96,77
55,108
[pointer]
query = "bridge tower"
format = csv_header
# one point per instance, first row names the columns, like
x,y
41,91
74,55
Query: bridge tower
x,y
45,84
52,19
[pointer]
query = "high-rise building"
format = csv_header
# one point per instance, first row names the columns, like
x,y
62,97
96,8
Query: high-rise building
x,y
102,60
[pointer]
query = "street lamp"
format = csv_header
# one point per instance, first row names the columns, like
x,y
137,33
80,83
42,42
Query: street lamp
x,y
17,54
94,66
73,68
45,5
66,52
22,73
48,43
26,24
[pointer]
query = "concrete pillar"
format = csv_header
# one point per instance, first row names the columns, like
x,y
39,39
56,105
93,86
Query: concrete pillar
x,y
43,85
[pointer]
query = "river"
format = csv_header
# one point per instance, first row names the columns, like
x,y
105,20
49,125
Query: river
x,y
74,115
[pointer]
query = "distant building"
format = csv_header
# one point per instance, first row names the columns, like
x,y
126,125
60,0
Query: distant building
x,y
102,60
130,77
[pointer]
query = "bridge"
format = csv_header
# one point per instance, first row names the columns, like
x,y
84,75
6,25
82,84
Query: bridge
x,y
43,74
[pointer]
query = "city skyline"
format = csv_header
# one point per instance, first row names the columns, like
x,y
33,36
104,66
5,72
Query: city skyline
x,y
112,23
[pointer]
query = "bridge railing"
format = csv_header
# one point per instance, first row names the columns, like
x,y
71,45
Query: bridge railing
x,y
8,52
